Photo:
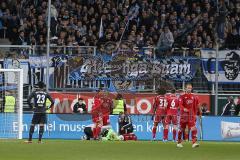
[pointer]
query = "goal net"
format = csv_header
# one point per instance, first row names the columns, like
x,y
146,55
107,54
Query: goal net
x,y
11,103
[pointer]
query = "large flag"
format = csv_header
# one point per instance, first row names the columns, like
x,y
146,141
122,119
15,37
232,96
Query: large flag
x,y
228,65
133,12
101,29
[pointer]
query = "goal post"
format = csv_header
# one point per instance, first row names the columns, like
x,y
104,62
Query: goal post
x,y
11,103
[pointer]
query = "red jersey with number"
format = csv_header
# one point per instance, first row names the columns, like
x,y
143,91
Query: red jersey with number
x,y
190,102
172,104
160,104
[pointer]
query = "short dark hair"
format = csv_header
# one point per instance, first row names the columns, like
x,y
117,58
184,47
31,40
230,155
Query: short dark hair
x,y
230,98
119,96
173,91
161,91
41,84
80,99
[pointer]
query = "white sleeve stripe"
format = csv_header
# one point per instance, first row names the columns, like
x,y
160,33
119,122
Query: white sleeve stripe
x,y
225,108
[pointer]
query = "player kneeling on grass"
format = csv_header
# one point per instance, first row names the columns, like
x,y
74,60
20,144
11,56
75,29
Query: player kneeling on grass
x,y
189,108
40,97
159,114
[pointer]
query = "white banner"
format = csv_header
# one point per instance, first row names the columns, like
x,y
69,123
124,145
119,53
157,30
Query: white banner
x,y
230,130
38,61
15,64
228,65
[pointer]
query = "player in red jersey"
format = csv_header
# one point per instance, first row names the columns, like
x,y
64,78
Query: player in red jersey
x,y
172,112
159,107
185,133
97,115
102,108
106,108
189,107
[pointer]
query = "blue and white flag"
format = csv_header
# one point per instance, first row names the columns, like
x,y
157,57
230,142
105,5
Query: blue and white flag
x,y
101,29
133,12
228,65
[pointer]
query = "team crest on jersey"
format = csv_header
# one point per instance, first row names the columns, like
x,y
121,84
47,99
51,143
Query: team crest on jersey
x,y
190,101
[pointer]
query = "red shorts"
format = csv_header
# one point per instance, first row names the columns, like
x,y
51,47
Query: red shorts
x,y
171,119
96,116
159,119
105,120
187,118
96,119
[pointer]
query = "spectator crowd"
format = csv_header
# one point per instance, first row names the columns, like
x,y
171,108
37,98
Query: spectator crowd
x,y
158,23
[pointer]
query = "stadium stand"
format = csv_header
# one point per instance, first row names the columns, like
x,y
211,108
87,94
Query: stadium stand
x,y
77,22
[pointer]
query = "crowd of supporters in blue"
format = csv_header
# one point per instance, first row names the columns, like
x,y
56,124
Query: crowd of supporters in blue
x,y
157,23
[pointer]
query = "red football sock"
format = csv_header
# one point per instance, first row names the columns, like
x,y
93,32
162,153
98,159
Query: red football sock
x,y
165,134
180,136
194,136
94,133
174,134
154,130
98,130
186,136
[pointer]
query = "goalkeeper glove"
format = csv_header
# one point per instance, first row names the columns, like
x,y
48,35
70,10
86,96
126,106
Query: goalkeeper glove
x,y
48,110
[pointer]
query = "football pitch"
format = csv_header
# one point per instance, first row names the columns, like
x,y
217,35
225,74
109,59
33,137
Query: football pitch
x,y
118,150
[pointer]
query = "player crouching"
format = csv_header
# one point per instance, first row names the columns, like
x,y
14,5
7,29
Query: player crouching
x,y
102,107
107,133
126,127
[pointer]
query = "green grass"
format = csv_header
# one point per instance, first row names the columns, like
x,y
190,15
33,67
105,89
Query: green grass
x,y
97,150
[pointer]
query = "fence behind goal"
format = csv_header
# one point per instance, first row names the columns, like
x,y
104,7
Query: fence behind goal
x,y
11,103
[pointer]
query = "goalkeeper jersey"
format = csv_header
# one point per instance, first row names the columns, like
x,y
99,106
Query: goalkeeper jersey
x,y
111,136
